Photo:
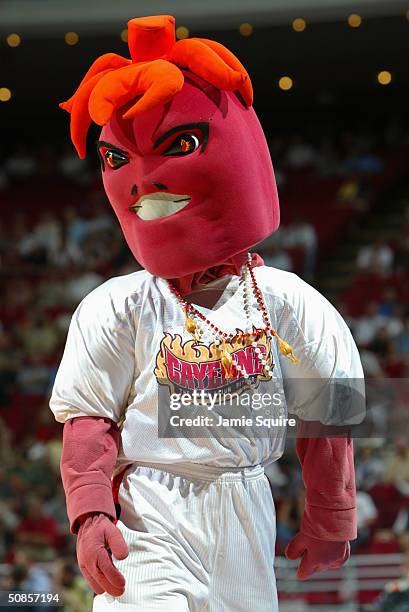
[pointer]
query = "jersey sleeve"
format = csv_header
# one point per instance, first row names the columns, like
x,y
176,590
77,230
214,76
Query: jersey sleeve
x,y
327,383
98,364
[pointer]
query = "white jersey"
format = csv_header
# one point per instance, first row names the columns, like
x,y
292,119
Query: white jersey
x,y
128,346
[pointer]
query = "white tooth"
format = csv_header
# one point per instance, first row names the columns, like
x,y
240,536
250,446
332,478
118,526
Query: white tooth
x,y
155,209
160,204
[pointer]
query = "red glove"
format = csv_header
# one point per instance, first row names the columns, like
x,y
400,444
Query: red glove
x,y
329,519
97,538
316,555
90,449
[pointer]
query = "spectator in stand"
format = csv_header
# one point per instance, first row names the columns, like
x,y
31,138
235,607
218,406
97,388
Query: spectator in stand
x,y
395,594
354,194
56,507
369,467
75,227
376,258
371,364
288,518
402,344
10,360
381,407
277,258
14,233
38,335
397,466
281,179
90,237
383,542
100,216
68,255
394,322
36,471
37,533
34,375
366,327
360,159
394,364
21,164
300,153
344,312
6,452
8,524
380,344
83,280
50,289
37,579
17,301
404,545
75,592
366,516
54,450
46,238
401,528
327,163
26,577
16,578
388,301
78,227
11,483
302,234
74,168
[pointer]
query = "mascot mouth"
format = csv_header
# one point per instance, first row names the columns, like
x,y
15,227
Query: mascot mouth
x,y
158,205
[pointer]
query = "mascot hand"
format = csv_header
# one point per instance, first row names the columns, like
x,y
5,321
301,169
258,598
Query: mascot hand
x,y
316,555
97,538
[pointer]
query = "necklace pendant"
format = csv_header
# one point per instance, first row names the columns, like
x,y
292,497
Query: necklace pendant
x,y
227,362
190,324
286,349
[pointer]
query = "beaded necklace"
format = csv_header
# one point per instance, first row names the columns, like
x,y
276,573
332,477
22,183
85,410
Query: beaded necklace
x,y
194,320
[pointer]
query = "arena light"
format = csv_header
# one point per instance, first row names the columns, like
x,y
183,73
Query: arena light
x,y
384,77
354,20
13,40
285,83
5,94
71,38
246,29
299,24
182,32
124,35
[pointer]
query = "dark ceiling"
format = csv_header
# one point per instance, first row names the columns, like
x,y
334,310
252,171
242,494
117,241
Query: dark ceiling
x,y
333,66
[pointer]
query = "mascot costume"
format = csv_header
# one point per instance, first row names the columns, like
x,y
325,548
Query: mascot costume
x,y
180,522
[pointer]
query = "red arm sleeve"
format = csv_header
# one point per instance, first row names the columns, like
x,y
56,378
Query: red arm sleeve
x,y
90,450
329,478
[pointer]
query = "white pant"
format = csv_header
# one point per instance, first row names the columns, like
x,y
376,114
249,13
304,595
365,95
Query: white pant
x,y
200,540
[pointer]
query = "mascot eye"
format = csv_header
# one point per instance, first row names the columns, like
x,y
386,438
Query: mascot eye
x,y
115,160
183,145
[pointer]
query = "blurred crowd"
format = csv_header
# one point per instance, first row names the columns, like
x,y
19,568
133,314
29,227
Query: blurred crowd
x,y
52,255
382,479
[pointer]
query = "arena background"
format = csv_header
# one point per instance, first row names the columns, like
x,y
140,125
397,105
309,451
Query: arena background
x,y
331,87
